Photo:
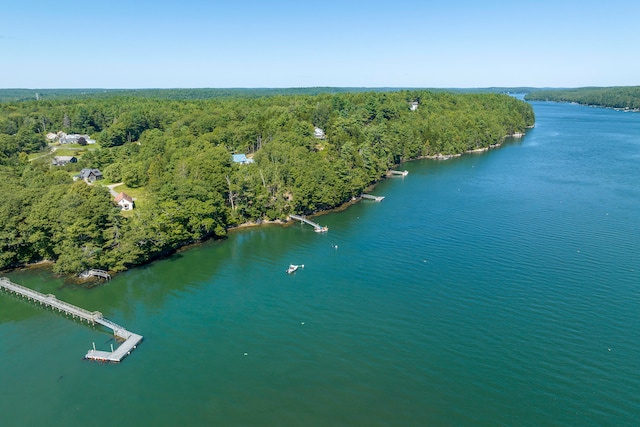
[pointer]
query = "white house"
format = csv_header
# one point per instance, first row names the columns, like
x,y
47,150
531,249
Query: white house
x,y
318,133
124,201
413,106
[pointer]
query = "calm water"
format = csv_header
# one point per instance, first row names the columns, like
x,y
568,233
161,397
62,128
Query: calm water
x,y
493,289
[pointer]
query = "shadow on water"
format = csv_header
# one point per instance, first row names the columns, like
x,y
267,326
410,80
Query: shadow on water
x,y
15,309
152,283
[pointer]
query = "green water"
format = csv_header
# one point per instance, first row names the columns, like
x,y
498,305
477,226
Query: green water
x,y
492,289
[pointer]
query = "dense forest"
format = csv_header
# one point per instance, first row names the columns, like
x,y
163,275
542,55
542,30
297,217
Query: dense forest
x,y
217,93
626,97
174,94
175,157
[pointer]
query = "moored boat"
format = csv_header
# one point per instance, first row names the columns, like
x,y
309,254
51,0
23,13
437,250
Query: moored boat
x,y
293,267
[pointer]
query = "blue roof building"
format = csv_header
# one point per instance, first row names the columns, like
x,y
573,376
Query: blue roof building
x,y
242,159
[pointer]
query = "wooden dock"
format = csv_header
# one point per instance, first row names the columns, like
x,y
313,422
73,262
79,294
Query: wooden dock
x,y
119,353
371,197
316,227
96,273
131,340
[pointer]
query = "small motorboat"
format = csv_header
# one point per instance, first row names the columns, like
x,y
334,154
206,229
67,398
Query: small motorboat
x,y
293,267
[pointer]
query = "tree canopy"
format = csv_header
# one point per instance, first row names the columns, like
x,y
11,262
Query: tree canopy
x,y
177,155
626,97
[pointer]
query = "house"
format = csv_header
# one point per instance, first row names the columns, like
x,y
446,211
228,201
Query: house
x,y
74,138
90,175
242,159
124,201
413,106
318,133
63,160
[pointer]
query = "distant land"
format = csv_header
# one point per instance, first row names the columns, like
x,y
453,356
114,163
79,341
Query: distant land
x,y
210,93
614,96
622,97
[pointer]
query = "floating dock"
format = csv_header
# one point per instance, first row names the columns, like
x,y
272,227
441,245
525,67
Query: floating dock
x,y
371,197
130,343
131,340
316,227
399,173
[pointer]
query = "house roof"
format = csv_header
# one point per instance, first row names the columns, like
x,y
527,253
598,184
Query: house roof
x,y
86,172
241,158
123,196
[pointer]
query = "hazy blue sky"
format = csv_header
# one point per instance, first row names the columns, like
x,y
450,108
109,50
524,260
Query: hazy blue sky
x,y
281,43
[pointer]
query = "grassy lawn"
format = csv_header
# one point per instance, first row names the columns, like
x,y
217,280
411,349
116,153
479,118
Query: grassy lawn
x,y
33,156
63,150
68,152
74,149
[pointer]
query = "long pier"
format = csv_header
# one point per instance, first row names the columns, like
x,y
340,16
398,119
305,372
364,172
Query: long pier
x,y
316,227
131,340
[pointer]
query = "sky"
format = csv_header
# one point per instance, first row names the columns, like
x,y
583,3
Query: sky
x,y
298,43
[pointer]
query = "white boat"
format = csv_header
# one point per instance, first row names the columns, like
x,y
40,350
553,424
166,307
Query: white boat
x,y
321,229
292,268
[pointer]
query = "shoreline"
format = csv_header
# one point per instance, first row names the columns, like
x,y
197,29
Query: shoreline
x,y
440,156
258,223
29,266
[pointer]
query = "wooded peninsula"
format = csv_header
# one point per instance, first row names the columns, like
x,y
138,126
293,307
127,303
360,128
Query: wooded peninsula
x,y
193,166
622,97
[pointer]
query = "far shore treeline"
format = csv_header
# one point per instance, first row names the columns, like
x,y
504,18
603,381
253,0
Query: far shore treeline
x,y
622,97
175,157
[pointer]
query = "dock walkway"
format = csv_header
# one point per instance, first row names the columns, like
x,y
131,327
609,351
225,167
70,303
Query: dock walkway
x,y
372,197
95,273
50,301
131,340
317,227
